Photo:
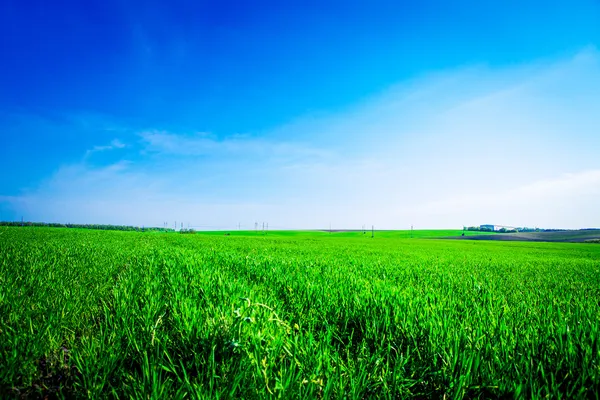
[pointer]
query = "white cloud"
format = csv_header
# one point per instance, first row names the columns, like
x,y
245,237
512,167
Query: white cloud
x,y
204,144
114,144
533,204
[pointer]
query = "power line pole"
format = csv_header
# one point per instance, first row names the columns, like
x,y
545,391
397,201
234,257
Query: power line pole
x,y
372,231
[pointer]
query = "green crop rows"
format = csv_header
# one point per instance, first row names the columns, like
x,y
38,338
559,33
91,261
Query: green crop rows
x,y
162,315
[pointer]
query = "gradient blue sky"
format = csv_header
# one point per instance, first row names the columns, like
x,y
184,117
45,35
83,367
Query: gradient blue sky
x,y
434,114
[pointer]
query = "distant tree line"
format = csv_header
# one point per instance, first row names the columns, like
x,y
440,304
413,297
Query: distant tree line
x,y
478,229
87,226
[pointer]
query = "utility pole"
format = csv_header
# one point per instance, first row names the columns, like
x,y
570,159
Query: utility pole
x,y
372,231
263,228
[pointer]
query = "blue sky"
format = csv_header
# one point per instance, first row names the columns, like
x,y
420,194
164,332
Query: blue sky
x,y
301,114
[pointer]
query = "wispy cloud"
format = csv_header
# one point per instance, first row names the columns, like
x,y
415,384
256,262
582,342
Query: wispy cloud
x,y
204,144
568,200
114,144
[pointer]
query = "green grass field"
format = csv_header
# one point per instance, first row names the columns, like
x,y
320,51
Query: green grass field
x,y
106,314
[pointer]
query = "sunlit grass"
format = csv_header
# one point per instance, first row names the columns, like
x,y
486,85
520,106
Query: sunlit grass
x,y
125,314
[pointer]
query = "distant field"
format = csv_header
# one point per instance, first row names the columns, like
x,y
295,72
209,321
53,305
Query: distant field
x,y
557,236
109,314
397,234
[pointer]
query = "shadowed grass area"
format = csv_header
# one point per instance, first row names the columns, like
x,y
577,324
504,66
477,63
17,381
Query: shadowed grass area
x,y
125,314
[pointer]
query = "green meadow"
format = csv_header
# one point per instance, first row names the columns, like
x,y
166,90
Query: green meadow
x,y
340,315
